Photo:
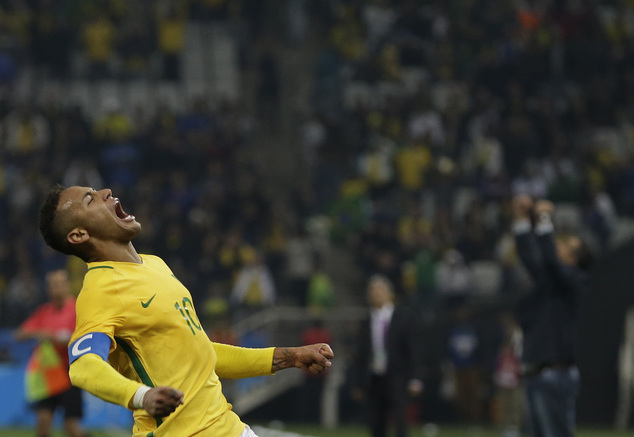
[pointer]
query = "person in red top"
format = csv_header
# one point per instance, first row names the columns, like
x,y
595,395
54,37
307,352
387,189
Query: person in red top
x,y
54,322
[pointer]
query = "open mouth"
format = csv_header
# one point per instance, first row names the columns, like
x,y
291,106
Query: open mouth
x,y
121,214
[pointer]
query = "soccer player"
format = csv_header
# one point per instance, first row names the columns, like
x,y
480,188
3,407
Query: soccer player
x,y
138,341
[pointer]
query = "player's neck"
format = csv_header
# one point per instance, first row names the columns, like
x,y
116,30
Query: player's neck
x,y
116,252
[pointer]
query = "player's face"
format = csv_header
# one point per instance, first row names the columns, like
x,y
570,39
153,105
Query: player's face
x,y
99,213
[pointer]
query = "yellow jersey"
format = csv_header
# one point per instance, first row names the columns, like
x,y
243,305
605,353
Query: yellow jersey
x,y
157,339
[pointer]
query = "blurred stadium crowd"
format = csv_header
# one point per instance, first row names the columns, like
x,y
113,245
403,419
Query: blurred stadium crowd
x,y
423,120
440,113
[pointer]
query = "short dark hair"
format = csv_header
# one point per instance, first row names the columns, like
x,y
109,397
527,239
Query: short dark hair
x,y
49,222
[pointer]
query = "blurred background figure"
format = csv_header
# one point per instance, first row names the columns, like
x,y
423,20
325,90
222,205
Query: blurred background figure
x,y
300,265
549,316
99,37
254,288
321,292
454,280
389,368
170,40
47,382
465,361
27,132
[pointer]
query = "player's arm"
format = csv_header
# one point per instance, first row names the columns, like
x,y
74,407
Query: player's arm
x,y
239,362
90,371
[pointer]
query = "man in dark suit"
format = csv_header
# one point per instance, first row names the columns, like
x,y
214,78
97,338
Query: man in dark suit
x,y
388,360
548,317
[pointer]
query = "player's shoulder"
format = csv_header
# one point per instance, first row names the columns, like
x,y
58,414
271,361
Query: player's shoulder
x,y
98,272
154,262
99,280
151,259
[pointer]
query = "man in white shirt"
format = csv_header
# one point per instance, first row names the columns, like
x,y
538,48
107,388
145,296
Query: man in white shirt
x,y
389,359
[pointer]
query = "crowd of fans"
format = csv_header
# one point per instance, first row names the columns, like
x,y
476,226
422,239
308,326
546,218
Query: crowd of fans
x,y
426,120
430,117
110,39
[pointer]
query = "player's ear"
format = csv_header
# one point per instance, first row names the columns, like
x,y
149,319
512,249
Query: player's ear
x,y
77,236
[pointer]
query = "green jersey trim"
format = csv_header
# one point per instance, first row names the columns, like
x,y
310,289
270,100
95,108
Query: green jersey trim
x,y
100,267
138,367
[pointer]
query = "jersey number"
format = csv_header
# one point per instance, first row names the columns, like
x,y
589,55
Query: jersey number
x,y
184,310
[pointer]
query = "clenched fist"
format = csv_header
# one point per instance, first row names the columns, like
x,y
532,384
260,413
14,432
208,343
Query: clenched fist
x,y
314,358
162,401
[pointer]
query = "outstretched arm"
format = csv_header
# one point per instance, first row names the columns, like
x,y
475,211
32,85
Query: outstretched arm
x,y
90,371
240,362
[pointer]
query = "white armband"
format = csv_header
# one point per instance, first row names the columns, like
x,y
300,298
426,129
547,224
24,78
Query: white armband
x,y
137,400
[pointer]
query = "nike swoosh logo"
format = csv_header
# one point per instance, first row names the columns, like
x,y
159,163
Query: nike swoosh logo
x,y
147,304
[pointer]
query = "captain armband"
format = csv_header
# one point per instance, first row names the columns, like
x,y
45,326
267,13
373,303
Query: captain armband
x,y
96,343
